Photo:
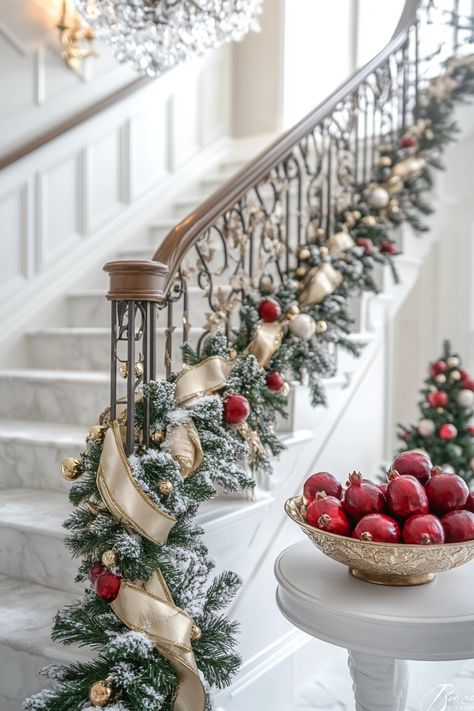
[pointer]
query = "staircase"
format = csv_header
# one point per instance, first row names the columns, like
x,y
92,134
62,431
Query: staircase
x,y
47,406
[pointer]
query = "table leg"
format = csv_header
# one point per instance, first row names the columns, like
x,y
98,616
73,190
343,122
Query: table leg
x,y
379,684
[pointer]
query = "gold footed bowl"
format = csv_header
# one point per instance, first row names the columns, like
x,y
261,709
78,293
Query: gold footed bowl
x,y
383,563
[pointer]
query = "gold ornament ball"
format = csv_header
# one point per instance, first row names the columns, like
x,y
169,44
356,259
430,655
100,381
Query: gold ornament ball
x,y
292,311
452,362
301,271
195,633
320,232
139,369
304,253
356,215
323,251
158,436
109,559
96,432
385,162
440,379
233,354
455,375
70,468
284,390
100,694
321,327
124,370
369,220
165,487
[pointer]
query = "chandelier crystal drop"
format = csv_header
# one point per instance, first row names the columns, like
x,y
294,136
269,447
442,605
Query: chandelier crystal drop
x,y
156,35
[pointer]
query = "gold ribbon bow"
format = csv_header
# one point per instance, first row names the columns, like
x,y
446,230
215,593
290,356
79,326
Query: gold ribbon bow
x,y
320,282
266,341
149,608
184,445
203,379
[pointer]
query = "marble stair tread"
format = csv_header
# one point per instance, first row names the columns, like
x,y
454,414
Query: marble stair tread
x,y
27,611
34,511
70,396
44,433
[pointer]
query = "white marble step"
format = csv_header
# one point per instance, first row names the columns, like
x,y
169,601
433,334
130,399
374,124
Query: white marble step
x,y
90,308
31,534
71,397
27,612
31,452
188,203
88,348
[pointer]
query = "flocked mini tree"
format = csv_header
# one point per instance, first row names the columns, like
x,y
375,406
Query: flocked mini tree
x,y
446,426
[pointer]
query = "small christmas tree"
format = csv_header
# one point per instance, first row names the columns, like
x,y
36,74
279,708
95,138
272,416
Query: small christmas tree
x,y
445,429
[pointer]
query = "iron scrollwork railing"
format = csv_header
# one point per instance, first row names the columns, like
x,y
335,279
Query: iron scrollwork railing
x,y
250,232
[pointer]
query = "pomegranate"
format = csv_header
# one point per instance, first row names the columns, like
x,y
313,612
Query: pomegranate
x,y
405,496
326,513
362,497
423,529
321,481
470,502
377,527
382,485
446,492
414,462
458,526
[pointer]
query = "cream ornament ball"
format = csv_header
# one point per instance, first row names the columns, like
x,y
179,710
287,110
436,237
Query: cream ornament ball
x,y
426,427
465,398
303,326
378,198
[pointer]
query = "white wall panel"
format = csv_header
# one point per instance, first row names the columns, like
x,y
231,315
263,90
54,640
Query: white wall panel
x,y
14,237
148,146
57,206
103,179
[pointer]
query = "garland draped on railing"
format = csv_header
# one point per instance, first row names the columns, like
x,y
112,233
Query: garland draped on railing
x,y
151,613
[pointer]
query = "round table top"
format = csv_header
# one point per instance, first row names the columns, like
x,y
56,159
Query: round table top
x,y
426,622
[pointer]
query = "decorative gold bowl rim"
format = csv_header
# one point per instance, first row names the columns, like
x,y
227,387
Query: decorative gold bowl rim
x,y
385,563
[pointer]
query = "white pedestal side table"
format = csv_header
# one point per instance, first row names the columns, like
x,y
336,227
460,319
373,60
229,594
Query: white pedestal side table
x,y
380,626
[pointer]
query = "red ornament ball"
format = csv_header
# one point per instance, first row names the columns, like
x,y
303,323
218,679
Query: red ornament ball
x,y
236,409
275,380
446,492
438,398
468,384
389,247
366,243
470,430
458,526
408,141
321,482
405,496
378,528
413,463
438,367
447,431
269,310
95,570
107,585
423,530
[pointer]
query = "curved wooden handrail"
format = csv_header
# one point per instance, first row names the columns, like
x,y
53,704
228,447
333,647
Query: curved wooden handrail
x,y
184,235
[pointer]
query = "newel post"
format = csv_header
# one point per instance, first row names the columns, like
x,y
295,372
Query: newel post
x,y
135,289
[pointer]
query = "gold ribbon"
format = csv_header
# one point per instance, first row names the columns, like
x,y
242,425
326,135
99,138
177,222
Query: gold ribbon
x,y
203,379
266,341
122,495
320,282
184,445
150,609
339,243
409,168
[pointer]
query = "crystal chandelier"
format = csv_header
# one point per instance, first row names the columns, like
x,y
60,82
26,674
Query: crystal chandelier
x,y
156,35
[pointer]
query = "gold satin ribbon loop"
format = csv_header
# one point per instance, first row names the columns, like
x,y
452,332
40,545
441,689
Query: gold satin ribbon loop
x,y
122,495
184,445
203,379
150,609
320,282
266,341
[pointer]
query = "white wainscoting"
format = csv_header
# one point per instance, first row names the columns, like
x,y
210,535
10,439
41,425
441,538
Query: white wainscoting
x,y
69,203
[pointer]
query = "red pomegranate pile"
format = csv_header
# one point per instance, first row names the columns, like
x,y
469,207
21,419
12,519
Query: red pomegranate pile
x,y
419,504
